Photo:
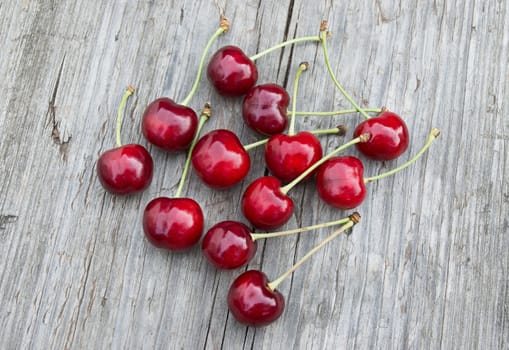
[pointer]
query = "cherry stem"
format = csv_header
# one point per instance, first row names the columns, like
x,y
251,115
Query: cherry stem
x,y
323,38
256,236
302,67
340,112
431,137
205,115
224,25
120,113
283,44
362,138
352,220
339,130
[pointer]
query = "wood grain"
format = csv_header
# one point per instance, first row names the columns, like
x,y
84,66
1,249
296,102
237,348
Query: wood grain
x,y
427,267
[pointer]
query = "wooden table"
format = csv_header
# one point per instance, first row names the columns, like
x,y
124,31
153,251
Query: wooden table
x,y
426,268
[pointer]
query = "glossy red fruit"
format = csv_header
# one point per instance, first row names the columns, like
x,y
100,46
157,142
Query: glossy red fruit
x,y
125,169
168,125
173,223
231,72
265,109
264,205
220,160
288,156
252,302
228,245
389,136
340,182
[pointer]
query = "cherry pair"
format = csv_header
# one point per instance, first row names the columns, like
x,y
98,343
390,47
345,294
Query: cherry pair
x,y
254,301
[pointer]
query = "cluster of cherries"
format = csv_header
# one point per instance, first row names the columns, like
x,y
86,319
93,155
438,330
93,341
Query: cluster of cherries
x,y
221,161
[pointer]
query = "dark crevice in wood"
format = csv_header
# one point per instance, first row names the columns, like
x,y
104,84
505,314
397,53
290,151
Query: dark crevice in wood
x,y
285,37
212,307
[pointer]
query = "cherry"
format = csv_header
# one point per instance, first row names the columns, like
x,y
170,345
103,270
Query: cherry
x,y
169,125
389,136
340,181
173,223
176,223
254,301
264,109
230,244
287,156
125,169
231,72
265,202
220,160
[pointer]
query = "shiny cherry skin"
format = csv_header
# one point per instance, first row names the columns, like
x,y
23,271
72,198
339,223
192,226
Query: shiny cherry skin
x,y
264,205
252,302
173,223
168,125
231,72
340,182
265,109
228,245
389,136
220,160
289,156
126,169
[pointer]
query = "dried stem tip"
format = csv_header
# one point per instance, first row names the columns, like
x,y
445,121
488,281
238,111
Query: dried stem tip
x,y
342,129
224,23
304,66
323,25
207,110
355,217
130,88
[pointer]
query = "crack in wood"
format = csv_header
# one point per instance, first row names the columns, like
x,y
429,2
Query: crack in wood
x,y
56,135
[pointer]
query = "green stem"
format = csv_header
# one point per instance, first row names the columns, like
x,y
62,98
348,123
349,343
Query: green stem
x,y
431,137
120,113
283,44
340,112
302,67
352,220
224,26
256,236
205,115
340,130
362,138
323,37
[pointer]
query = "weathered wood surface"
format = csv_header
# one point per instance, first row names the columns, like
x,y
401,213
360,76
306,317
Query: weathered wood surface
x,y
427,267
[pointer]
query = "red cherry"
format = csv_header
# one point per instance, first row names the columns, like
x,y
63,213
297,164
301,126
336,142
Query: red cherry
x,y
173,223
252,302
264,205
389,136
340,182
169,125
125,169
231,72
288,156
265,108
228,245
220,160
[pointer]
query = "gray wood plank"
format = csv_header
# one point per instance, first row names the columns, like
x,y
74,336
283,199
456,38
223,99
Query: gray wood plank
x,y
427,267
